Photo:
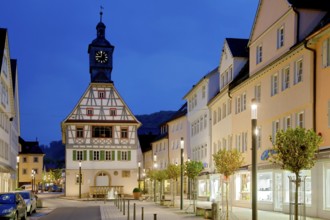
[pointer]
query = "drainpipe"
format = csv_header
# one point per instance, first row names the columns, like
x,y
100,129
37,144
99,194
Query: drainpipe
x,y
298,23
314,83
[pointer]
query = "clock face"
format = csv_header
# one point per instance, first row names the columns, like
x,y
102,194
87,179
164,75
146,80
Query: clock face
x,y
101,56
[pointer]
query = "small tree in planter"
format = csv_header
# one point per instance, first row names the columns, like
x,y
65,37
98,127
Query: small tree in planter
x,y
192,170
295,150
226,163
160,176
173,172
136,193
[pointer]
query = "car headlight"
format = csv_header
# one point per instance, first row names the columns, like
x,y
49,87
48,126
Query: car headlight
x,y
7,211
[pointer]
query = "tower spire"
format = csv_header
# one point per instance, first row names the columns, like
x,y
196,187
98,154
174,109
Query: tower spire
x,y
101,12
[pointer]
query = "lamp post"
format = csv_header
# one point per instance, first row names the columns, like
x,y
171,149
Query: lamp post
x,y
139,180
79,179
33,173
181,178
17,160
155,166
144,180
254,109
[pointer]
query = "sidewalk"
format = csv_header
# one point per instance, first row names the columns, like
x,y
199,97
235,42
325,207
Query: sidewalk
x,y
109,211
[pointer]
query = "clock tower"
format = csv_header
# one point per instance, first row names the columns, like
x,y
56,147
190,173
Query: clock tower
x,y
100,56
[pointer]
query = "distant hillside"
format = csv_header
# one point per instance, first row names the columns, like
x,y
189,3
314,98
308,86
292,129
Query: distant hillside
x,y
54,155
151,122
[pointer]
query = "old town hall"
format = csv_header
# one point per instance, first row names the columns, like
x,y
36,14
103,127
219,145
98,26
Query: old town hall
x,y
100,133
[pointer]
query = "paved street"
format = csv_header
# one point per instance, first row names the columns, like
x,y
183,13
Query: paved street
x,y
56,207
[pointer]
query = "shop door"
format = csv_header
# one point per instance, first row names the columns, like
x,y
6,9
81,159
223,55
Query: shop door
x,y
278,192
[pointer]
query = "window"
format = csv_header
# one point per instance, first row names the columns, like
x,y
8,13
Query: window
x,y
35,170
126,173
24,171
205,121
80,132
257,92
219,114
102,132
124,133
300,119
326,53
285,78
241,103
109,155
238,104
113,112
214,117
124,155
79,155
89,112
276,128
229,106
35,159
96,155
287,122
259,54
244,141
274,86
203,92
298,71
24,160
224,110
280,37
101,94
259,137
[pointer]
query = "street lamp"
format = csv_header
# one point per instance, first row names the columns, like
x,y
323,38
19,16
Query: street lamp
x,y
254,108
33,173
181,178
17,160
139,180
79,179
155,166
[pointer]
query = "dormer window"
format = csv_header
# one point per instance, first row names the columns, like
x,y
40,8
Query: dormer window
x,y
112,112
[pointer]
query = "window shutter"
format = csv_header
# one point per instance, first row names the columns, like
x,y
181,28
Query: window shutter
x,y
102,155
119,155
85,155
74,155
90,155
113,155
129,155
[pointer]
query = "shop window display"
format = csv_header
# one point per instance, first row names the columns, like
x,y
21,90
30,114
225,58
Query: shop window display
x,y
265,183
203,189
308,186
243,186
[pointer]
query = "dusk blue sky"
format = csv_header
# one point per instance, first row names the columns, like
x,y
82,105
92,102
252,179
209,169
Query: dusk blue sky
x,y
162,48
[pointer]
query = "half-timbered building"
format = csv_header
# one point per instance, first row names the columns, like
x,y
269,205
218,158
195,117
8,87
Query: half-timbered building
x,y
100,134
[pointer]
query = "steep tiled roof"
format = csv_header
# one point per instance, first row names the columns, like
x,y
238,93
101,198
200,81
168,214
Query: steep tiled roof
x,y
30,147
181,112
238,47
323,5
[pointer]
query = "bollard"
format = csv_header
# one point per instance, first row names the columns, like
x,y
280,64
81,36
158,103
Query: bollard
x,y
214,211
128,209
134,207
124,207
155,216
120,203
142,213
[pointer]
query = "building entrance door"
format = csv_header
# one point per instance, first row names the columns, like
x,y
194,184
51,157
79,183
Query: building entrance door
x,y
102,179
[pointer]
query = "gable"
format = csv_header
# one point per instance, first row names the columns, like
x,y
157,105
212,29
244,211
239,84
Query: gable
x,y
268,12
101,103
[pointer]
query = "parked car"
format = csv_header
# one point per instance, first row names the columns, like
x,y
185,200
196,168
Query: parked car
x,y
12,206
30,200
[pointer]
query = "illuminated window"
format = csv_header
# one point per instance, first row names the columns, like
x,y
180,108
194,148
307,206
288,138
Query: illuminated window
x,y
259,54
285,78
124,133
298,71
102,132
280,37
